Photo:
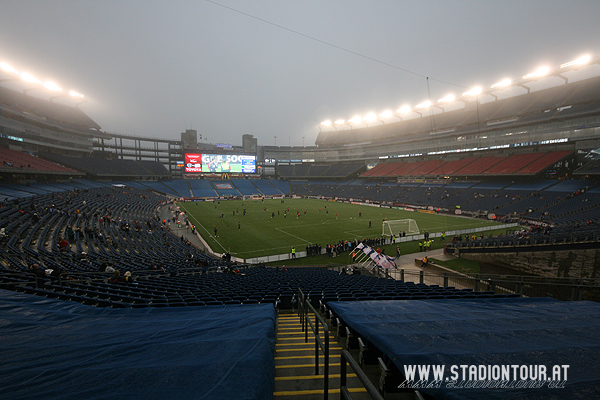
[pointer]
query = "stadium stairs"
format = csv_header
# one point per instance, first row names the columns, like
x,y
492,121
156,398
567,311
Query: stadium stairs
x,y
295,376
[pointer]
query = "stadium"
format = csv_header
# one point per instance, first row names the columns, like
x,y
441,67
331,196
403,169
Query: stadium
x,y
172,268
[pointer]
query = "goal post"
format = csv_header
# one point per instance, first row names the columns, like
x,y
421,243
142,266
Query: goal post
x,y
396,227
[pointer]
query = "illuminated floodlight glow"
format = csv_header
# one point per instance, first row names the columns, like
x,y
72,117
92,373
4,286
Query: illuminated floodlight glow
x,y
8,68
386,114
403,110
339,122
75,94
370,117
424,104
580,61
29,78
473,92
502,83
540,72
449,98
355,120
52,86
326,123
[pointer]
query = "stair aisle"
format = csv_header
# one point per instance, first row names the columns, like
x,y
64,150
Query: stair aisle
x,y
295,377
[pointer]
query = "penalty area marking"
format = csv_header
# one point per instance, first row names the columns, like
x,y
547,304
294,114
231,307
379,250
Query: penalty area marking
x,y
297,237
351,233
207,232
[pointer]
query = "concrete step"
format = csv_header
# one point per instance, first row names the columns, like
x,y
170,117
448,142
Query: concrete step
x,y
295,371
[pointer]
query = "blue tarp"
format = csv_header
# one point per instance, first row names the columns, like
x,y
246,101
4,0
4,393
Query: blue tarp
x,y
486,332
51,349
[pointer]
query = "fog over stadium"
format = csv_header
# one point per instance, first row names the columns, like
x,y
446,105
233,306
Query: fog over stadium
x,y
276,69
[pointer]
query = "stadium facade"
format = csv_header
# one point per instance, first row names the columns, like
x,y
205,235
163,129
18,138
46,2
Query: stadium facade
x,y
563,118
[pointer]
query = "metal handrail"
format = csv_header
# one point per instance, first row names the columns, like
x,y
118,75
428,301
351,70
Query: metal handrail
x,y
303,309
360,374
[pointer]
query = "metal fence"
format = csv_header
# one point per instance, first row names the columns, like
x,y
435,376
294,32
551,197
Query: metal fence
x,y
408,238
569,289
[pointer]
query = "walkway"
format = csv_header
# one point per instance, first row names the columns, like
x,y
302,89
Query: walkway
x,y
295,377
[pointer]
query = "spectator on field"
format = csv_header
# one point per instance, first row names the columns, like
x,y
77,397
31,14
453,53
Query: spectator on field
x,y
63,244
39,272
104,267
50,273
116,278
70,234
128,278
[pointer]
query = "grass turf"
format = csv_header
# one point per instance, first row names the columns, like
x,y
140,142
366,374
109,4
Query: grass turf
x,y
460,265
265,230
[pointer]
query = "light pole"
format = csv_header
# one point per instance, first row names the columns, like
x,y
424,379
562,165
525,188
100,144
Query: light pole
x,y
275,140
303,141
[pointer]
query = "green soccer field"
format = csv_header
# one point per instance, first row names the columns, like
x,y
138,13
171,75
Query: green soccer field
x,y
267,232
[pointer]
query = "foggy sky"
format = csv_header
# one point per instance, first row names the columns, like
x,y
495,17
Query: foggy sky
x,y
155,68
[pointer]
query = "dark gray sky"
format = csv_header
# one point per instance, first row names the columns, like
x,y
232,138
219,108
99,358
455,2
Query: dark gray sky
x,y
155,68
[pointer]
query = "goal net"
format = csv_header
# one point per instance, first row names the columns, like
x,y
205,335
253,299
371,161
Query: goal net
x,y
396,227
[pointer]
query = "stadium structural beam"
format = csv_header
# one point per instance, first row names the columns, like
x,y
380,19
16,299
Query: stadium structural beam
x,y
27,90
526,87
81,102
56,97
556,72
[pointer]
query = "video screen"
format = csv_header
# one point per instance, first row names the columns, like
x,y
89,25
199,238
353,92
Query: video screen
x,y
219,163
193,163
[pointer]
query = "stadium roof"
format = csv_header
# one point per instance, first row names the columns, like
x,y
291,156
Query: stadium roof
x,y
544,105
21,106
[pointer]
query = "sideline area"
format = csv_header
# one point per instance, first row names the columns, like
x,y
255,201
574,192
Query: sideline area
x,y
407,260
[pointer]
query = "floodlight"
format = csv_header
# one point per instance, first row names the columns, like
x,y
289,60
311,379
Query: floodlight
x,y
403,110
8,68
580,61
52,86
355,120
473,92
539,73
502,83
424,104
370,117
326,123
29,78
449,98
386,114
339,122
75,94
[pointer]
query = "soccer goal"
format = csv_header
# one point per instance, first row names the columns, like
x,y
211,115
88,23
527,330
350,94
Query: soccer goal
x,y
396,227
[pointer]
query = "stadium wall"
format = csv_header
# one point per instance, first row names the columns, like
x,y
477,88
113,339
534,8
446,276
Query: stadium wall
x,y
573,263
212,252
299,254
